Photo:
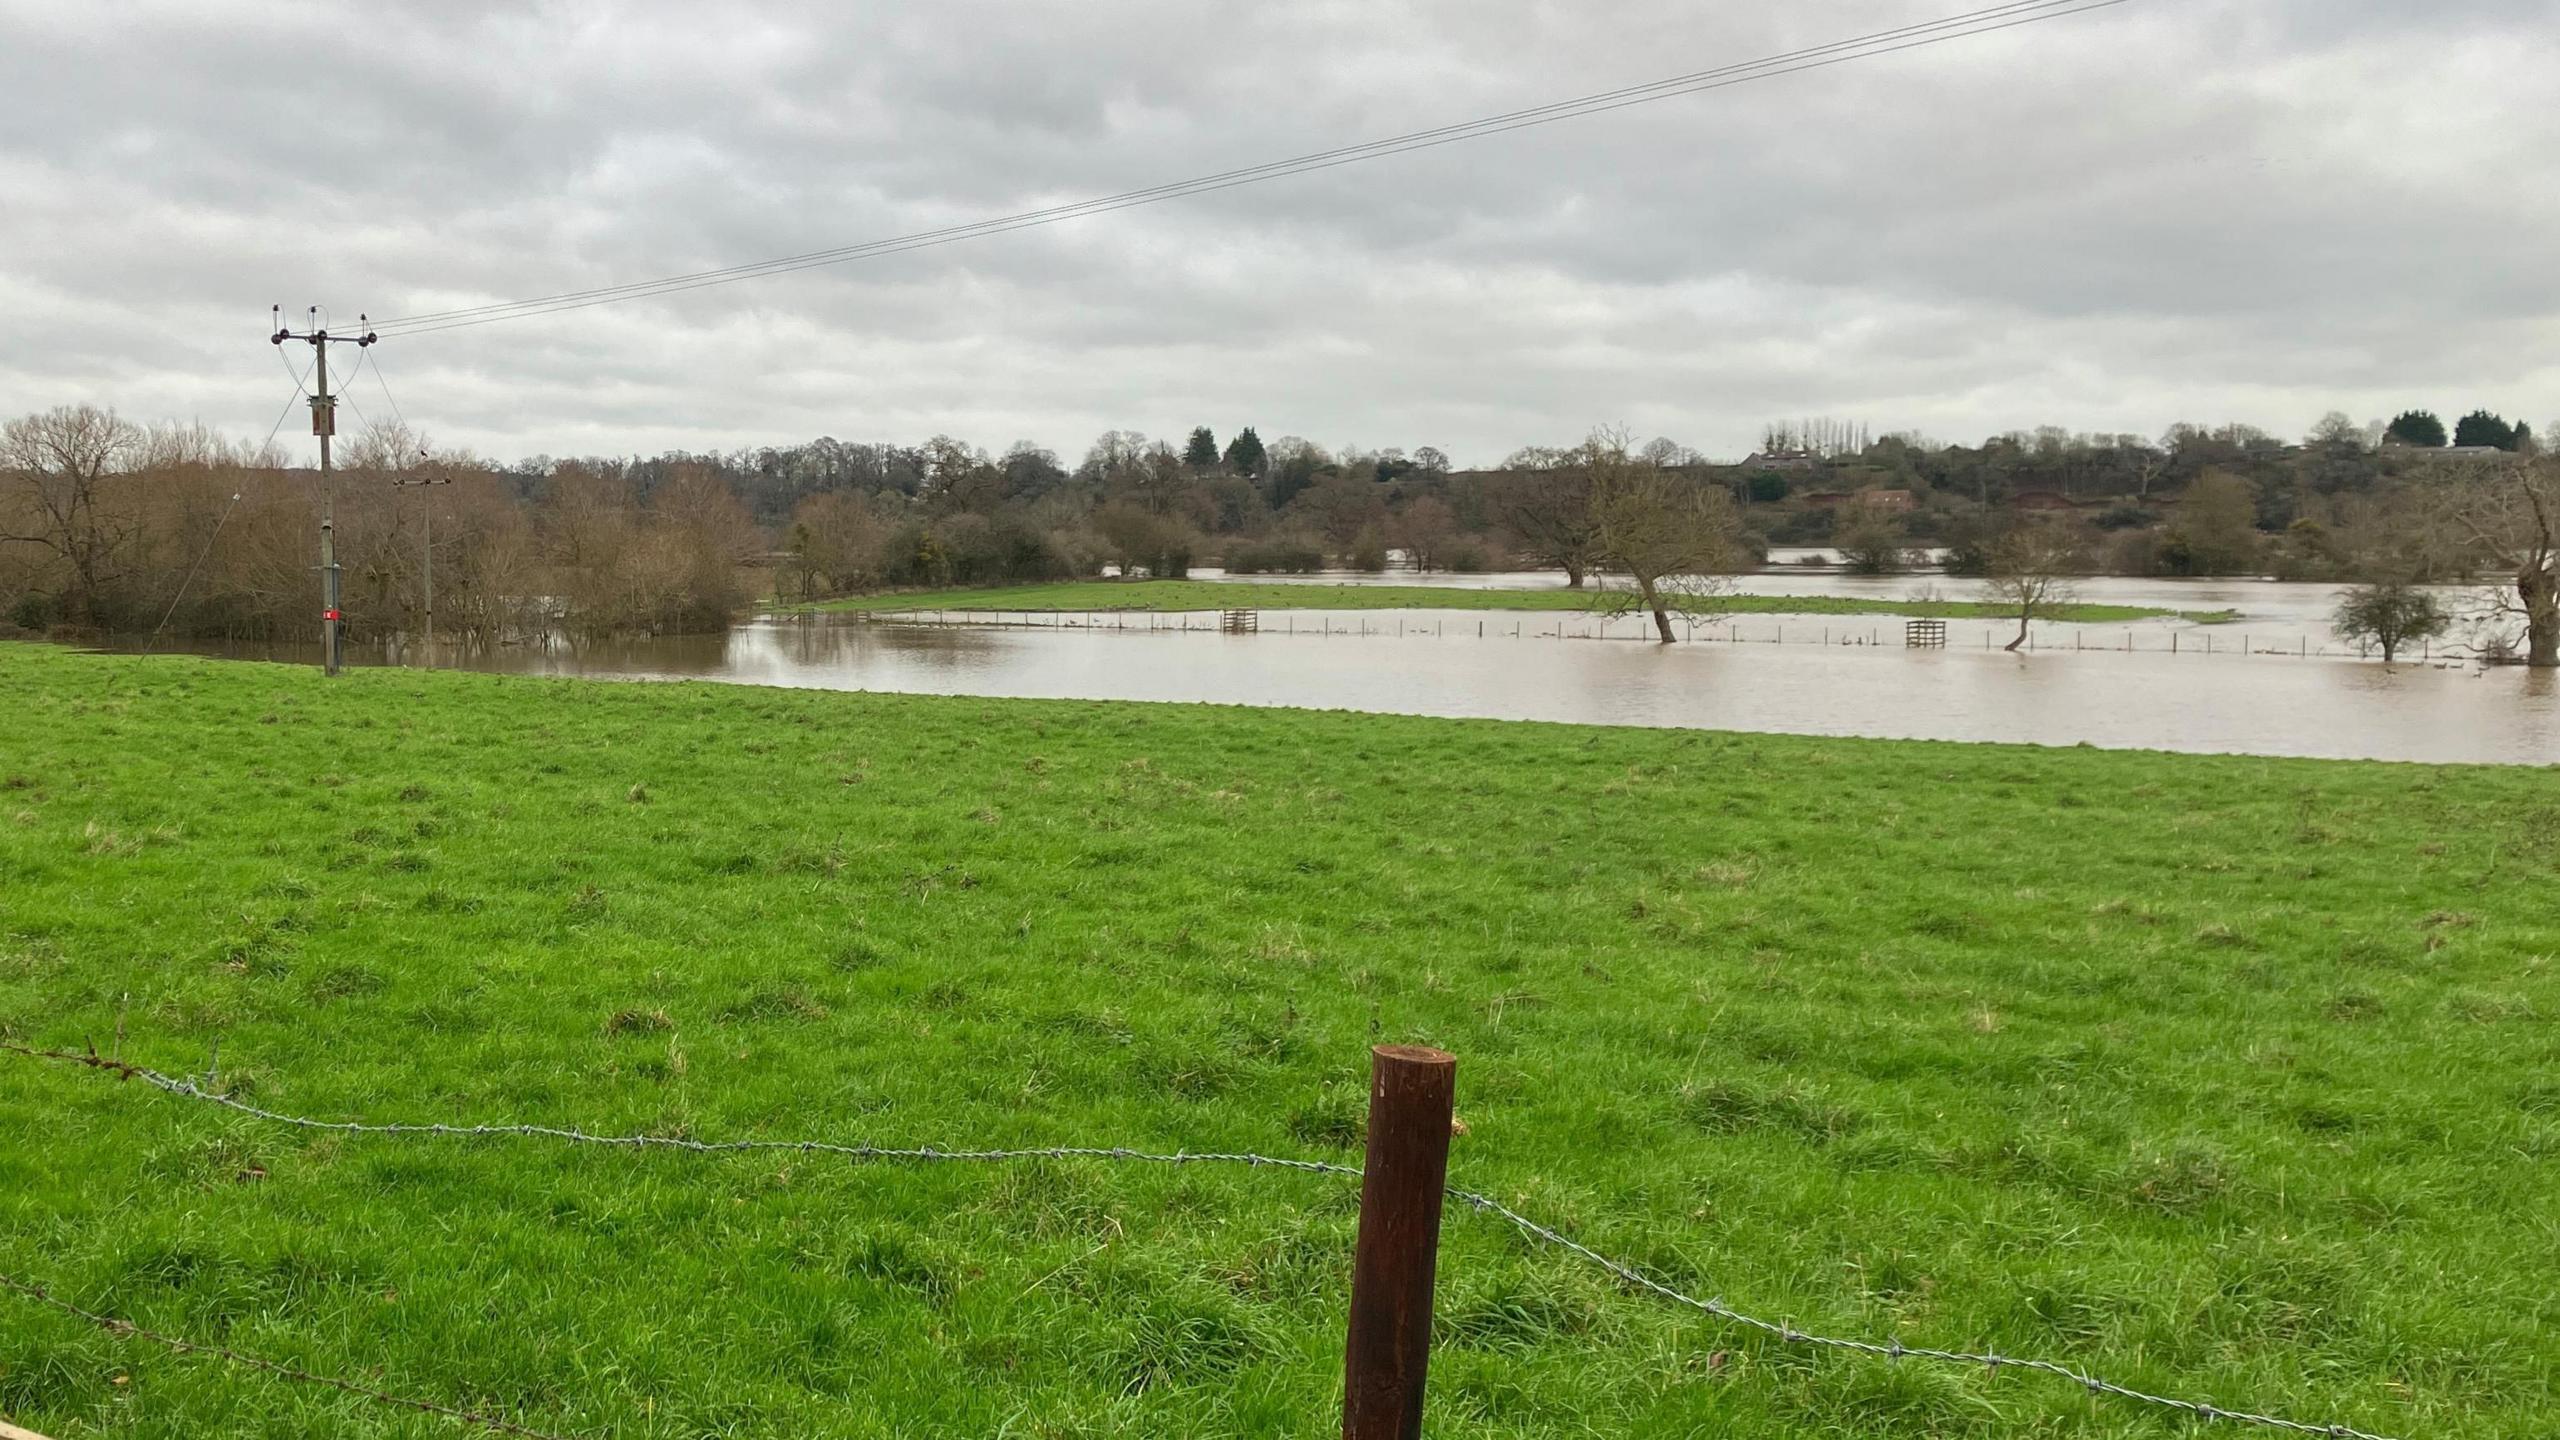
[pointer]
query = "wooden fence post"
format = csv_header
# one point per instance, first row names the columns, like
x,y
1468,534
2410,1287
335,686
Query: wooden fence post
x,y
1412,1095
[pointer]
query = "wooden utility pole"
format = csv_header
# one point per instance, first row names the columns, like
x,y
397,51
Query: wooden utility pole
x,y
324,423
427,552
1412,1100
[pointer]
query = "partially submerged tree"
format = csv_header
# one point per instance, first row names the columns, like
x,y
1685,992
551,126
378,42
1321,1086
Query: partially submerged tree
x,y
2028,569
1675,537
1872,542
2390,614
2506,516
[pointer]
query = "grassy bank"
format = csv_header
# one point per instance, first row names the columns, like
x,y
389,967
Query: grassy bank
x,y
1166,595
2225,1077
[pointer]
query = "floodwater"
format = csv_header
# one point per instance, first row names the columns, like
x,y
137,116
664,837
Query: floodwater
x,y
2279,608
2275,700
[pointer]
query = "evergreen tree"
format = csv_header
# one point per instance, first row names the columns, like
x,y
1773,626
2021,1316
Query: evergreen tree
x,y
1202,452
1245,455
2482,428
2417,427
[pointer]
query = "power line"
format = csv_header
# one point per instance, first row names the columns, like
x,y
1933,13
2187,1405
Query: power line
x,y
300,392
300,388
385,387
190,577
1885,42
822,256
362,356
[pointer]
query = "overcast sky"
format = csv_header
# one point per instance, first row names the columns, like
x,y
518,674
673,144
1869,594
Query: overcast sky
x,y
2170,210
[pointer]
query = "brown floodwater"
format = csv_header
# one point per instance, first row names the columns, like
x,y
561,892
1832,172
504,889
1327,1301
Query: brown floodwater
x,y
2122,687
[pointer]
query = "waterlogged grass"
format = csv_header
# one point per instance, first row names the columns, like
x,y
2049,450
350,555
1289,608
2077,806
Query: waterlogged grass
x,y
1169,595
2231,1078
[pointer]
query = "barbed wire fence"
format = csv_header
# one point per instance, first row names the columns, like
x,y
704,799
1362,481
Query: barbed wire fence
x,y
203,1090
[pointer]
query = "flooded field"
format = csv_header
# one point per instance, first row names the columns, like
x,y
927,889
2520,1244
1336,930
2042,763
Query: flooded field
x,y
2150,698
2276,608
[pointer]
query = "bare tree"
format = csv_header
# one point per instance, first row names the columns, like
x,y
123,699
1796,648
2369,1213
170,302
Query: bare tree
x,y
2216,528
1666,452
2336,429
1139,539
60,466
381,450
1816,435
836,537
1675,537
1544,499
1424,530
2028,570
2507,516
1343,508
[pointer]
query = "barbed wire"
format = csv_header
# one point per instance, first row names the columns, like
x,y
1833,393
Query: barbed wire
x,y
195,1091
1892,1350
126,1330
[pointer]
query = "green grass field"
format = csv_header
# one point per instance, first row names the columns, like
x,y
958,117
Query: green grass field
x,y
1167,595
2230,1078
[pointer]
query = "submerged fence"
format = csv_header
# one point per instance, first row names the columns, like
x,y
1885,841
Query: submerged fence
x,y
1403,1187
1848,632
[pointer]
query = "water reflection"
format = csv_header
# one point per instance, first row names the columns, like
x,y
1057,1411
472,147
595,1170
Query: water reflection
x,y
2148,699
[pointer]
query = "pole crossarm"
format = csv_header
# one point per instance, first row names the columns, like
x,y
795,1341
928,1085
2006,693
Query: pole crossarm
x,y
324,424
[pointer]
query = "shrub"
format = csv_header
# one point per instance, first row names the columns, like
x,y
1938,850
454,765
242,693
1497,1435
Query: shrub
x,y
970,549
34,611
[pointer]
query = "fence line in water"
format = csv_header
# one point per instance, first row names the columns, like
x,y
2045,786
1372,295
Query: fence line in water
x,y
2053,636
1991,1363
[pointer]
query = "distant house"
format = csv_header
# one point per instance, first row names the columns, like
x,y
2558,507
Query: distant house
x,y
2399,446
1780,460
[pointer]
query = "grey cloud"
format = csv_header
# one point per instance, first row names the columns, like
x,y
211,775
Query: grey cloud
x,y
2174,209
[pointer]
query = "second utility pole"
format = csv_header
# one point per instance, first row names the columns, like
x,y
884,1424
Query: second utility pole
x,y
427,551
324,423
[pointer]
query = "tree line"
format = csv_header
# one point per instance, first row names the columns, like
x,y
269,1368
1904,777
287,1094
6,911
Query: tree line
x,y
109,526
